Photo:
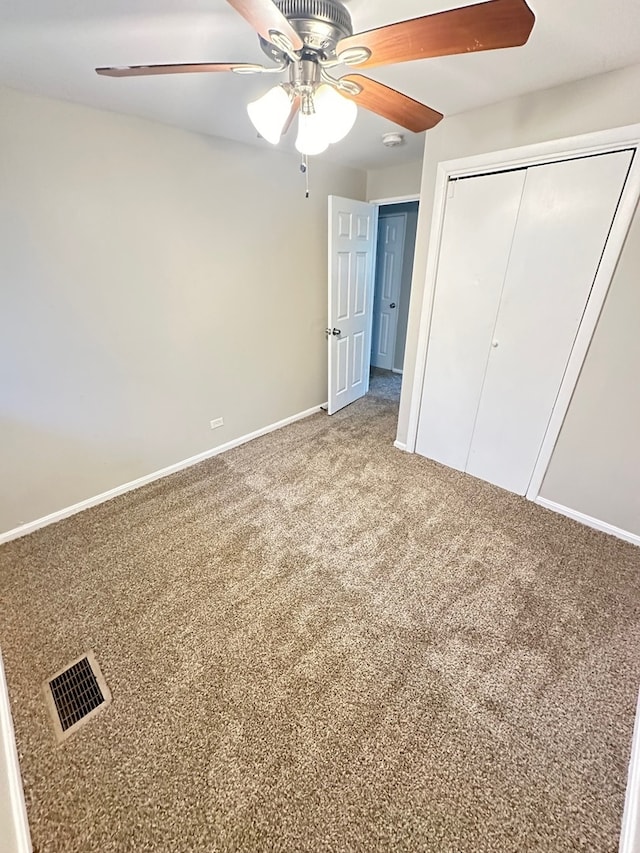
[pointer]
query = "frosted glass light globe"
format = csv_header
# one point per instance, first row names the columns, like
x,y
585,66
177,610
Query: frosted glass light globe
x,y
338,113
312,137
269,114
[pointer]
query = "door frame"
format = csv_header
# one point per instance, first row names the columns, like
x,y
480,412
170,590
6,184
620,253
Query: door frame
x,y
601,142
400,199
383,202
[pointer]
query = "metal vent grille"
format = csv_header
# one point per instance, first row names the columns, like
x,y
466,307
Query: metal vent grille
x,y
75,694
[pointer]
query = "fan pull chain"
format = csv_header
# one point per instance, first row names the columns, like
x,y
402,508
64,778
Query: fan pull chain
x,y
304,168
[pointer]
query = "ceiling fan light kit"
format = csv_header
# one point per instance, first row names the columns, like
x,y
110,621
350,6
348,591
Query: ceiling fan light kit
x,y
326,116
309,38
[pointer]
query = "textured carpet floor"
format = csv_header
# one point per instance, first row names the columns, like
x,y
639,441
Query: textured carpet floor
x,y
318,643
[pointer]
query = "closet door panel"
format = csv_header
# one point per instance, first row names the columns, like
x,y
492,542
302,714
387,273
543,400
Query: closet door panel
x,y
479,225
564,221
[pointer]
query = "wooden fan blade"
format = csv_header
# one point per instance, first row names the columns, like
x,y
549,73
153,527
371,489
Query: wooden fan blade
x,y
265,18
295,107
483,26
181,68
395,106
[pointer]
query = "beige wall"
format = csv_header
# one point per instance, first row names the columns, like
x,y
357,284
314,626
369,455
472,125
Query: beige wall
x,y
394,181
152,279
596,103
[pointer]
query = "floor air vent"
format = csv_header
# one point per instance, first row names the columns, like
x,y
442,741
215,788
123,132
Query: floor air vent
x,y
75,694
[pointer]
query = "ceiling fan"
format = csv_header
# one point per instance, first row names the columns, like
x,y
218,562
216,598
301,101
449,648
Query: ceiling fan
x,y
308,38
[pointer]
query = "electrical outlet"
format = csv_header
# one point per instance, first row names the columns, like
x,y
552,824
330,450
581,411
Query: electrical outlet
x,y
218,422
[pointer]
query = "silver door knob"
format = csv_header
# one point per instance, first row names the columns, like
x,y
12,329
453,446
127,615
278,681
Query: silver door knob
x,y
336,332
393,305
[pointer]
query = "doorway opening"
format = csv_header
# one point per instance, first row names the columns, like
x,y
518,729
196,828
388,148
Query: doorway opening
x,y
395,250
355,253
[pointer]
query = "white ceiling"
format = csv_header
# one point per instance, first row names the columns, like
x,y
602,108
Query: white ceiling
x,y
51,47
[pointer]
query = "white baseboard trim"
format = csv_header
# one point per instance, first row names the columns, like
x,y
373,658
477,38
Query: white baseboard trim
x,y
32,526
395,370
10,769
589,521
400,445
630,835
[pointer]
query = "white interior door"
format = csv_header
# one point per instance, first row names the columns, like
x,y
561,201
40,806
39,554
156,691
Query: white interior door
x,y
352,230
479,223
388,281
563,224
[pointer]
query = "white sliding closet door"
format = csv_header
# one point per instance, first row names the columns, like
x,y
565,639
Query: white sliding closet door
x,y
519,255
478,229
564,221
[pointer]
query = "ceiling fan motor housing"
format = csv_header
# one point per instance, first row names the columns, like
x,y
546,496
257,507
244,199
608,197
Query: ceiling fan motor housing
x,y
321,24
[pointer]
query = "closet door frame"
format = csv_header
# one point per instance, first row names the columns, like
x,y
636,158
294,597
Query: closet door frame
x,y
603,142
